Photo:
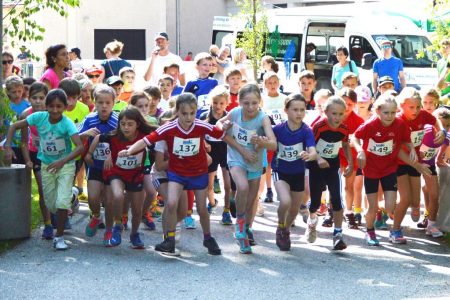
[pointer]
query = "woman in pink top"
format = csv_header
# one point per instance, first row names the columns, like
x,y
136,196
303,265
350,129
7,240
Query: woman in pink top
x,y
57,61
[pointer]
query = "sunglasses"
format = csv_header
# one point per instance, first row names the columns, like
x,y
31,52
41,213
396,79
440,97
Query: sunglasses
x,y
9,62
93,76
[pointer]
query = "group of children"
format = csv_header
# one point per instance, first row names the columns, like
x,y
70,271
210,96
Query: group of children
x,y
168,142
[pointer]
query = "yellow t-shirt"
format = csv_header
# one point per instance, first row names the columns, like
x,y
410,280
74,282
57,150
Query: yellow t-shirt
x,y
77,115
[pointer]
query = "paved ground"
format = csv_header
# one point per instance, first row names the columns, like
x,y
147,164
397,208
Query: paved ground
x,y
420,269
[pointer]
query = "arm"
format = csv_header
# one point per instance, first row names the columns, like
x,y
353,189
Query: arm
x,y
148,74
440,157
442,83
249,156
309,155
348,155
361,158
92,147
401,77
374,83
269,141
102,75
421,168
441,132
135,148
9,153
55,166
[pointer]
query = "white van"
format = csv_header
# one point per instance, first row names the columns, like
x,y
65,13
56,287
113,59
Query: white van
x,y
357,27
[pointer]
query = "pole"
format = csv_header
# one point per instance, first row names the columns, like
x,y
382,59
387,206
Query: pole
x,y
1,39
177,25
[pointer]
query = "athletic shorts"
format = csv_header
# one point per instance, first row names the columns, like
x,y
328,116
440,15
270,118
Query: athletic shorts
x,y
36,161
388,183
158,181
95,174
407,170
129,186
189,183
57,187
296,182
250,174
359,172
218,158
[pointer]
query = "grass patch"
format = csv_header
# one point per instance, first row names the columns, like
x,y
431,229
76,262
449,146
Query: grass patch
x,y
35,218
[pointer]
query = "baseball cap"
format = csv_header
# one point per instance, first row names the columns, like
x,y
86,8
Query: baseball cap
x,y
161,35
113,80
385,79
363,93
94,70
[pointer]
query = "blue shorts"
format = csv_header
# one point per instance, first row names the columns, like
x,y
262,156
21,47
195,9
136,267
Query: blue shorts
x,y
250,174
189,182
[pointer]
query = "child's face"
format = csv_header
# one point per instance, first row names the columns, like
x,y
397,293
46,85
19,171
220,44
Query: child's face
x,y
143,105
204,68
117,88
385,87
71,102
387,113
128,127
38,101
265,65
296,111
429,103
174,72
165,87
362,106
219,104
250,105
15,93
350,83
307,85
86,94
234,82
335,114
104,105
411,108
128,80
272,84
186,115
154,103
55,110
320,104
350,106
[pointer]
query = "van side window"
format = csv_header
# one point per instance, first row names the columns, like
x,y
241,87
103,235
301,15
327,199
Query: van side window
x,y
358,47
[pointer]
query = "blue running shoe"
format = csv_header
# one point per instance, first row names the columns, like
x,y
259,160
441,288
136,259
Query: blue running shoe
x,y
212,208
250,236
242,239
189,223
107,239
226,219
396,237
116,238
136,242
148,221
47,233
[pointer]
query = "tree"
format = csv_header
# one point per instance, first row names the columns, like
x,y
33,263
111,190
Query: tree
x,y
255,31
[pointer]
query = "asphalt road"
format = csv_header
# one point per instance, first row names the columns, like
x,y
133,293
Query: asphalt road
x,y
419,269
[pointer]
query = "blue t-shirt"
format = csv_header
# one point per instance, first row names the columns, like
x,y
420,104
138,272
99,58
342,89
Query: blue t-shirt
x,y
290,144
112,66
177,90
339,71
201,87
93,121
389,67
54,139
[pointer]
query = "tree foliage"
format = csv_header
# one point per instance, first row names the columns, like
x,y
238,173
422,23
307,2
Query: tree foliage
x,y
255,31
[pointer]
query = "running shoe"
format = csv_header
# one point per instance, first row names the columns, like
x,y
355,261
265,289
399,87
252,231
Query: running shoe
x,y
433,231
311,232
59,243
338,242
415,214
83,197
160,200
283,239
212,208
233,207
226,219
92,226
304,212
116,238
125,222
107,239
380,222
250,236
136,242
167,247
212,246
351,222
358,219
396,237
371,238
260,209
323,209
189,223
148,221
242,238
328,221
217,186
424,223
269,197
47,233
155,211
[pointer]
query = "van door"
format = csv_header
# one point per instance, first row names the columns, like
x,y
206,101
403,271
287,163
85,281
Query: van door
x,y
363,54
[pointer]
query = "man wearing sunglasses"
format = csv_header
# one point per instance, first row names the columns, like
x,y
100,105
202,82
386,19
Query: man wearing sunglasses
x,y
93,74
388,65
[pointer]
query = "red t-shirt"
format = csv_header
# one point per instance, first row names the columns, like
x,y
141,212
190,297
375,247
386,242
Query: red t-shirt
x,y
352,122
130,169
187,154
381,145
417,129
233,102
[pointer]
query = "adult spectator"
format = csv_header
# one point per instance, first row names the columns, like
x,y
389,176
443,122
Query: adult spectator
x,y
9,68
188,57
388,65
222,62
94,74
57,63
75,60
113,63
161,57
443,67
344,65
239,59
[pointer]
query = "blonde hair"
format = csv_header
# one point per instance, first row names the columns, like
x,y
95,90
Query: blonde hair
x,y
384,99
250,88
237,55
217,92
335,100
322,93
408,93
115,47
431,92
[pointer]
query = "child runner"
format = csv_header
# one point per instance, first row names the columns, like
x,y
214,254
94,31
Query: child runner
x,y
127,75
382,138
307,83
155,97
251,132
233,78
56,132
364,102
188,167
165,84
295,145
124,174
330,135
102,121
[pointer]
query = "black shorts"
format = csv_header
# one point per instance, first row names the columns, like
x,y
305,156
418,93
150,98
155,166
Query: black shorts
x,y
95,174
359,172
19,157
218,157
433,170
129,186
296,182
388,183
36,161
407,170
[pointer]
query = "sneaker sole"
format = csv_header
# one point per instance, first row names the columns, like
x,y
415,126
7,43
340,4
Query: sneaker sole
x,y
340,246
176,253
137,247
434,235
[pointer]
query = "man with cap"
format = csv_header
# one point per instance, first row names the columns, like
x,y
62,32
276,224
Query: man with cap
x,y
75,60
93,73
388,65
161,57
116,83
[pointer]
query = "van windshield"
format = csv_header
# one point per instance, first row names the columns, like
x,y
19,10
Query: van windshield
x,y
407,48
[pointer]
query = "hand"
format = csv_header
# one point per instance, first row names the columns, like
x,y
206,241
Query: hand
x,y
107,165
413,156
323,164
123,153
250,157
348,171
422,169
227,125
439,138
88,159
306,156
361,159
441,163
9,154
92,132
258,140
55,166
155,51
29,164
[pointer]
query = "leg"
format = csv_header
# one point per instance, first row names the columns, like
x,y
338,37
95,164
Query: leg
x,y
44,211
296,201
242,189
210,188
252,200
334,186
95,191
136,200
349,191
404,189
227,187
117,192
200,196
284,195
173,195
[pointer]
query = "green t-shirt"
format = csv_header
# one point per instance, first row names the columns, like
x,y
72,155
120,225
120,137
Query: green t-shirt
x,y
119,106
77,115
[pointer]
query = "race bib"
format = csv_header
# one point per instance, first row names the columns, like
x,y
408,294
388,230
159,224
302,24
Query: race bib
x,y
328,150
186,147
130,162
277,116
202,100
53,147
242,136
428,152
380,149
417,137
102,152
289,153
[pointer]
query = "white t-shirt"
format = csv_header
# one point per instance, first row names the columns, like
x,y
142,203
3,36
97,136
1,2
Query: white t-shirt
x,y
161,62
